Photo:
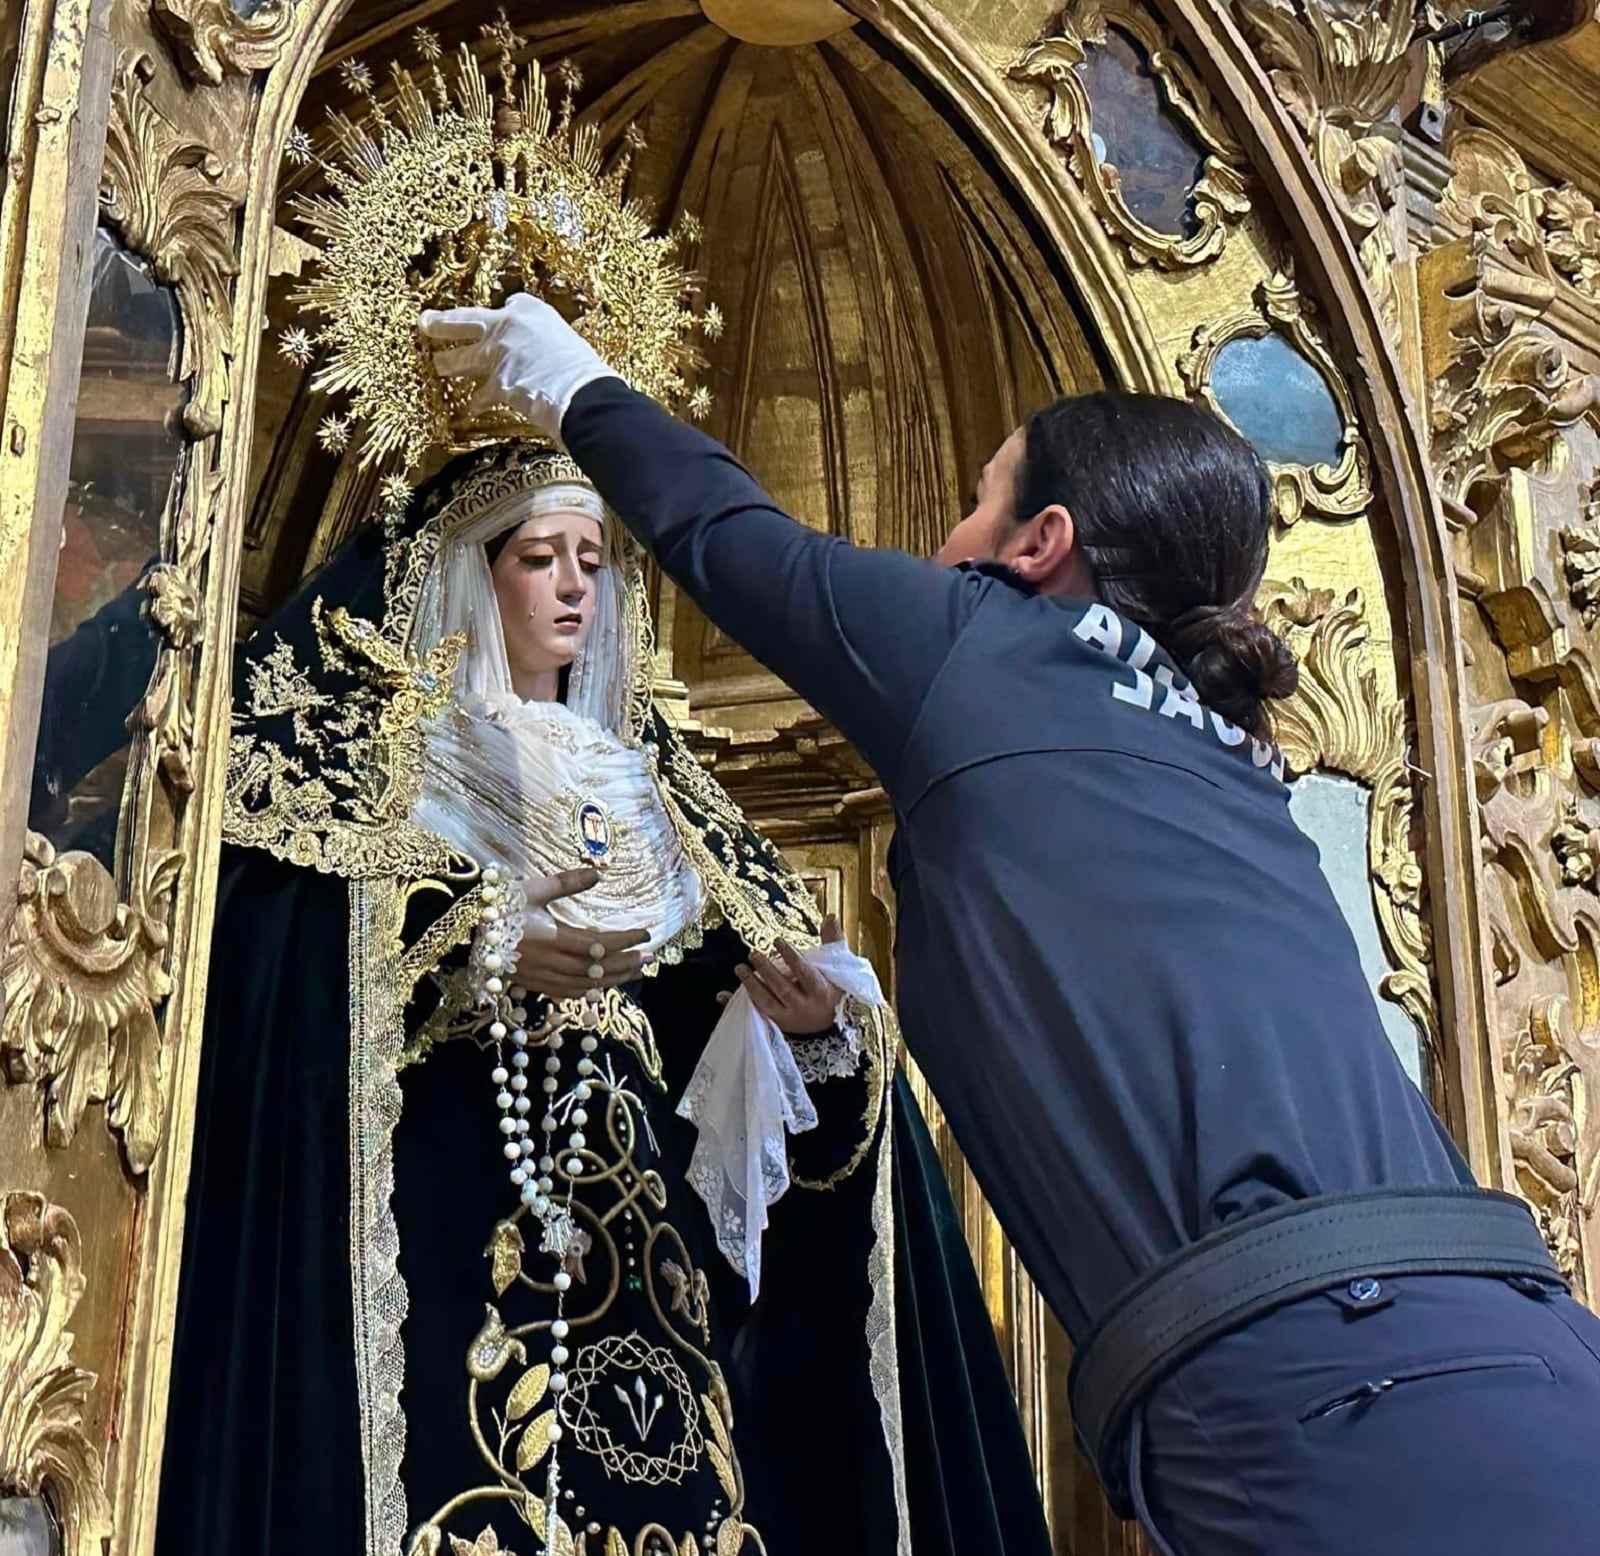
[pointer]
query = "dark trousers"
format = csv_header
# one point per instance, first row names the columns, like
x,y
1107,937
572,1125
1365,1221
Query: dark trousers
x,y
1445,1414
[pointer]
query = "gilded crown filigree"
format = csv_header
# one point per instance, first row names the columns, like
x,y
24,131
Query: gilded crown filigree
x,y
44,1449
442,191
1055,65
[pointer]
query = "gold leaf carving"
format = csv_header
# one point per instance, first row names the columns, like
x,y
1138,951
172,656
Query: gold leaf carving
x,y
212,39
1580,562
1501,386
1218,198
44,1450
1340,720
1540,1082
1553,229
174,201
84,976
1340,71
1339,490
530,1388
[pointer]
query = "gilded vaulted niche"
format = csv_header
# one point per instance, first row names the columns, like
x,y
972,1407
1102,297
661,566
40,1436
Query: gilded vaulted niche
x,y
858,247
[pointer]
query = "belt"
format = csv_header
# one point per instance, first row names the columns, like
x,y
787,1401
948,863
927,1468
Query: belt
x,y
1244,1271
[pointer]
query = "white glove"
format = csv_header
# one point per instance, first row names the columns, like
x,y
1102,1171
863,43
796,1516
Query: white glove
x,y
523,355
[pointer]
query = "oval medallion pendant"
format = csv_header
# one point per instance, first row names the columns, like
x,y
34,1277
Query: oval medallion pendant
x,y
594,830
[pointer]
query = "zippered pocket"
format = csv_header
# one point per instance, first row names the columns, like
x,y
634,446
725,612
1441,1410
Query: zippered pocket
x,y
1374,1387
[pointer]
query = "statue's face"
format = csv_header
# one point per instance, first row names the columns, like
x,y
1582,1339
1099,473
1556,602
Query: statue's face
x,y
544,579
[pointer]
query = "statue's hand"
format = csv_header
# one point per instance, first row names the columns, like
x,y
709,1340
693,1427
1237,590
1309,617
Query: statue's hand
x,y
561,962
790,992
523,355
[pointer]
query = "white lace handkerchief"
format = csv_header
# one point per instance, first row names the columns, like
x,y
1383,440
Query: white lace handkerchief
x,y
745,1094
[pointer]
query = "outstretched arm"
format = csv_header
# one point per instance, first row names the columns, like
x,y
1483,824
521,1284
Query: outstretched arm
x,y
859,633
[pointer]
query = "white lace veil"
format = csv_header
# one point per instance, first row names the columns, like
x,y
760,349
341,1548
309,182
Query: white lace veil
x,y
458,596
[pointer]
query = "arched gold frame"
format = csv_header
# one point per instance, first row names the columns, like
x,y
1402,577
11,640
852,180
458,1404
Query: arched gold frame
x,y
198,189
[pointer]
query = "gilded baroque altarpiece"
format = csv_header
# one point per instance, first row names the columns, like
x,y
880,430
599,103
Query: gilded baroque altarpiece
x,y
1340,225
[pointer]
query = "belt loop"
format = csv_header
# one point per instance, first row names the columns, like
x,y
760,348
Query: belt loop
x,y
1141,1505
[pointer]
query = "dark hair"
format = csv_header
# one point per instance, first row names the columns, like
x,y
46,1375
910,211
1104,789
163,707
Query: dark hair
x,y
1173,512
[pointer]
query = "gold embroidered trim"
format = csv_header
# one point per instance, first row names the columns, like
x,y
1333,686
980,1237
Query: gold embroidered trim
x,y
334,792
378,1295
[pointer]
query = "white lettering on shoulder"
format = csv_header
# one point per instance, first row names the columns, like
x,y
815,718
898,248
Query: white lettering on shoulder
x,y
1180,701
1103,630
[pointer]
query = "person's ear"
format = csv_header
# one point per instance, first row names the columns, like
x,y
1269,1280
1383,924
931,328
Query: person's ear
x,y
1043,552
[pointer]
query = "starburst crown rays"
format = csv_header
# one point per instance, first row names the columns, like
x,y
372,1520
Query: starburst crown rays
x,y
441,190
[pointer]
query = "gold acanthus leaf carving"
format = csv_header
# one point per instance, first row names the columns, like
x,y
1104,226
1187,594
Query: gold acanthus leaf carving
x,y
44,1450
1502,388
1580,561
212,39
1339,73
83,978
174,201
1576,846
1219,196
1342,720
1541,1093
1553,229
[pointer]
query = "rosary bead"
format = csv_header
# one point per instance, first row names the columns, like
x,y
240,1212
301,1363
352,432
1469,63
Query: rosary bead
x,y
502,1100
559,1329
589,1044
519,1082
559,1355
508,1126
497,1030
580,1117
522,1104
563,1281
520,1060
512,1150
499,1075
494,985
578,1140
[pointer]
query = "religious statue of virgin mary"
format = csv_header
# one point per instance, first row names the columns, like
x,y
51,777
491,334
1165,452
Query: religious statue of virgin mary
x,y
603,1261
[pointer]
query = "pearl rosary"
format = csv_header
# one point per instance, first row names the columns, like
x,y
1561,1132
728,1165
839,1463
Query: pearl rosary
x,y
493,957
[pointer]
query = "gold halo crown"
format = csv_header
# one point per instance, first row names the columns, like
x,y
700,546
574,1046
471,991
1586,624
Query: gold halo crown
x,y
449,193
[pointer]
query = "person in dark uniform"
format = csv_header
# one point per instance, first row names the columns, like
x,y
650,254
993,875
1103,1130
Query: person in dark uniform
x,y
1300,1328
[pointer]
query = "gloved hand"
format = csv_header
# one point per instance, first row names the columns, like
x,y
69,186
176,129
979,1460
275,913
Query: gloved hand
x,y
523,355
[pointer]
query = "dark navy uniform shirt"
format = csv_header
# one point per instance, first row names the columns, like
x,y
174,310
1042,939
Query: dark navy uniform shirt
x,y
1118,962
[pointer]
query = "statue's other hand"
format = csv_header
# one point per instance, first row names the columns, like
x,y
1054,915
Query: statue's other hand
x,y
789,991
562,962
523,355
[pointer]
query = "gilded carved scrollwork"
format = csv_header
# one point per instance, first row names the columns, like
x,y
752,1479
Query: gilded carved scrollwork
x,y
1542,1088
1553,229
1338,490
1580,560
1343,720
213,39
84,978
1501,388
1218,199
1339,70
85,964
44,1449
173,200
1508,414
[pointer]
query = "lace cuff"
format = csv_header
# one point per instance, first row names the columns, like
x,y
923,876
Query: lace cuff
x,y
749,1091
